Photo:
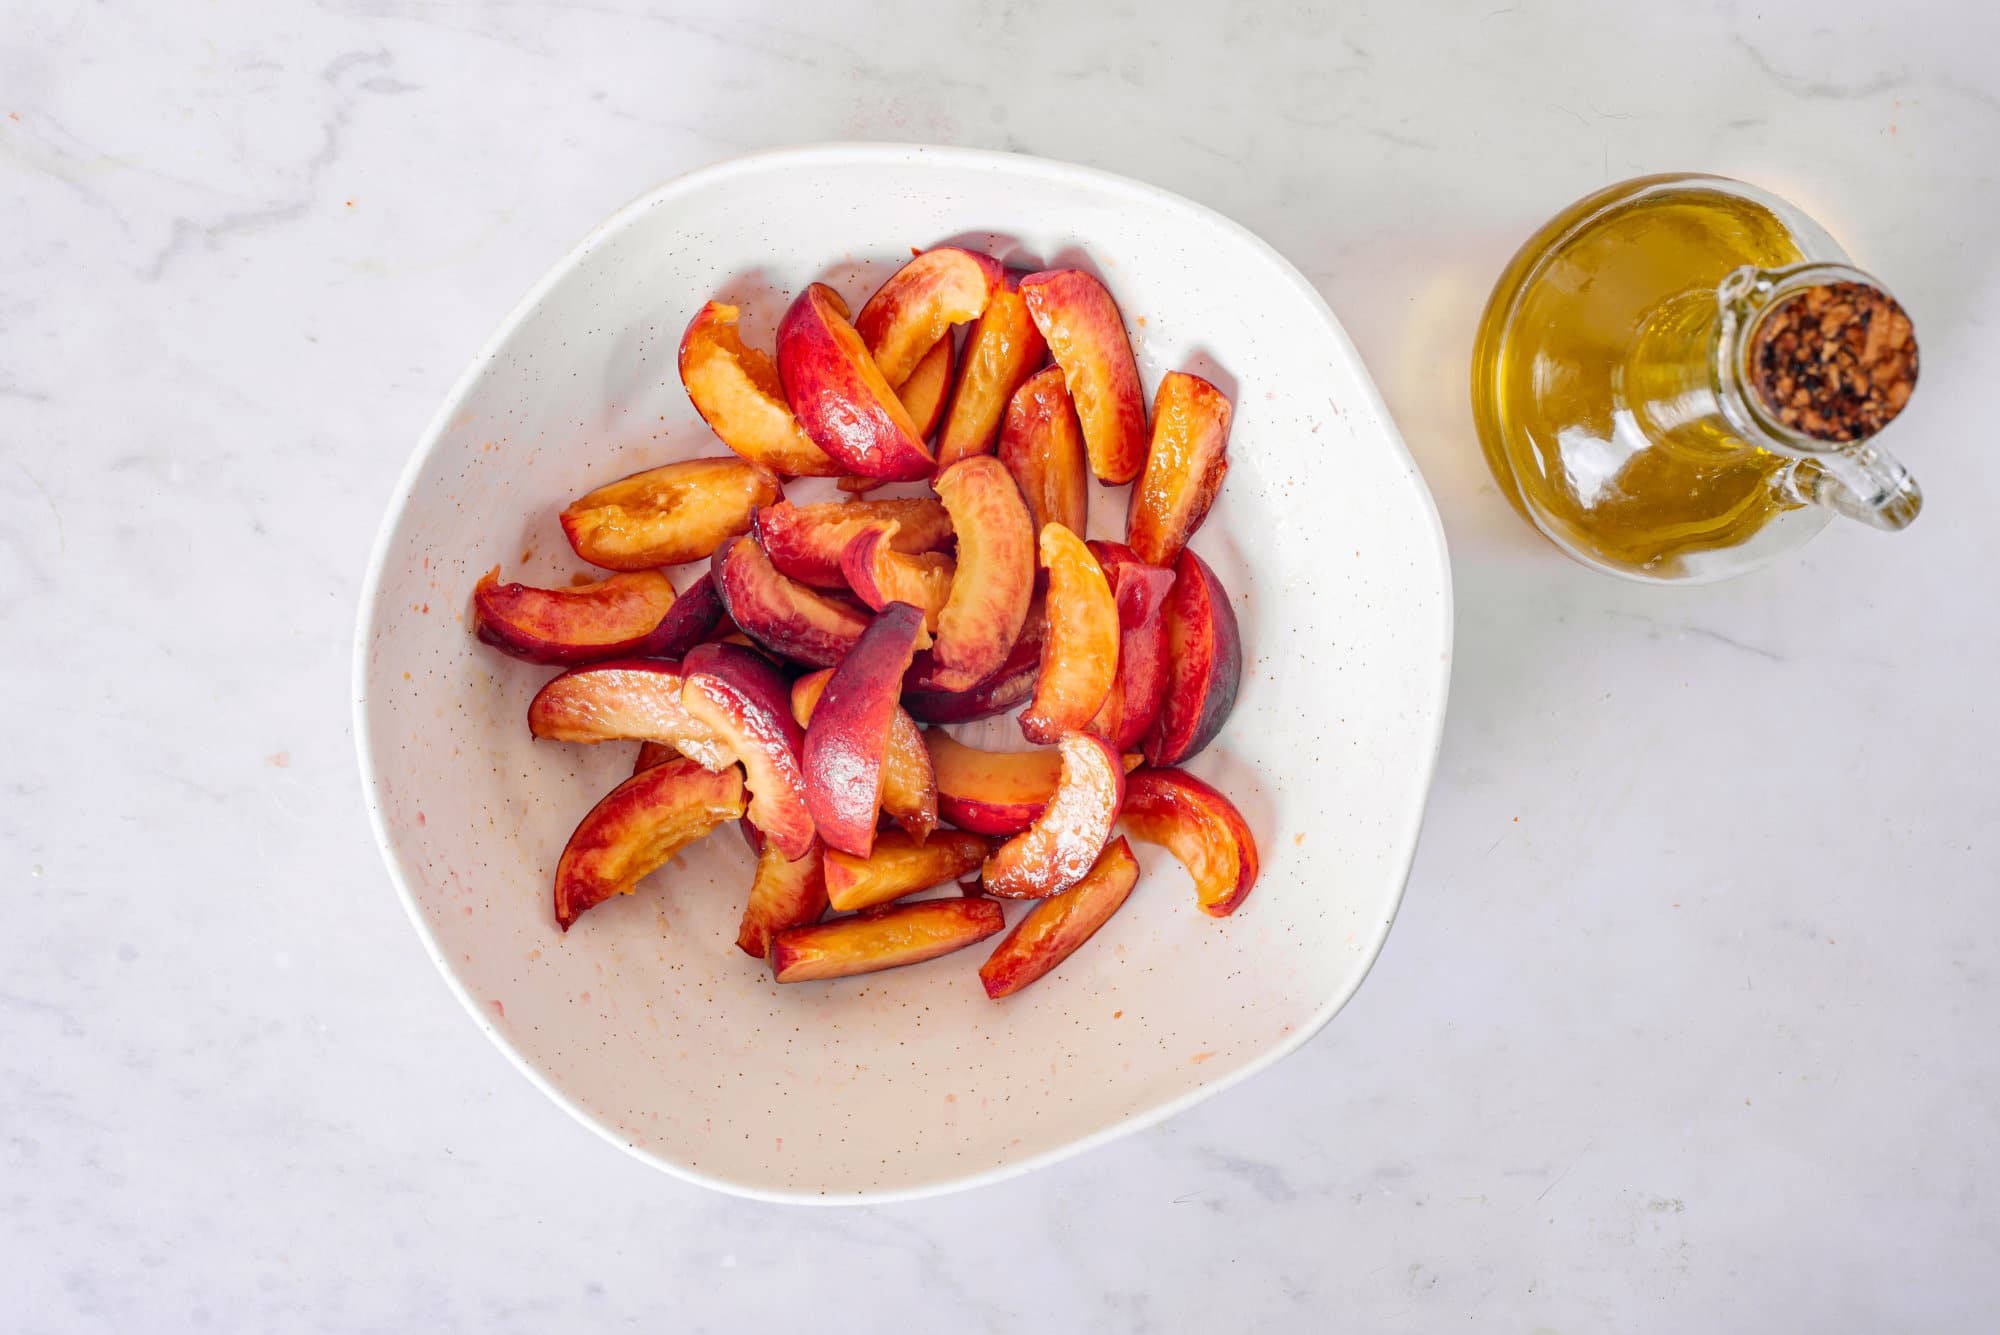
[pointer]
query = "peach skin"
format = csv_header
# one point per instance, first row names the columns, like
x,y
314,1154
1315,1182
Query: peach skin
x,y
746,703
637,827
1184,468
806,542
991,792
737,392
1204,664
920,303
1058,925
1008,685
1042,447
1003,349
847,742
1133,706
781,614
1053,854
1200,827
909,788
625,616
885,939
839,395
1087,335
1080,656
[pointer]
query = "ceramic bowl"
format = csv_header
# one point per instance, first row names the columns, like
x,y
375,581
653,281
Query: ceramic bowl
x,y
645,1021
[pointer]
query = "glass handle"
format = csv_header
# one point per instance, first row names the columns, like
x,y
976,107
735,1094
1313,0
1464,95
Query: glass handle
x,y
1860,482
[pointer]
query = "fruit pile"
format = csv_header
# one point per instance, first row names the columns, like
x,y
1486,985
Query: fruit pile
x,y
955,605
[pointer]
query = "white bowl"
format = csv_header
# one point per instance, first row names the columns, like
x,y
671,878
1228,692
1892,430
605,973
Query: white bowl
x,y
645,1021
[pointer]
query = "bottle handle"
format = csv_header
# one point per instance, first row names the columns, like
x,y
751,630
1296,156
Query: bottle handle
x,y
1860,482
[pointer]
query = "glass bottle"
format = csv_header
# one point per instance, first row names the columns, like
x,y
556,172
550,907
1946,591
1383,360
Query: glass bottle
x,y
1679,378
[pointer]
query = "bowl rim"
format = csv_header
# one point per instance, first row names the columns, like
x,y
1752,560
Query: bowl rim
x,y
837,153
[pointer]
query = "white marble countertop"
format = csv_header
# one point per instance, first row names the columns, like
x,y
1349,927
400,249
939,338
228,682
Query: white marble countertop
x,y
1689,1021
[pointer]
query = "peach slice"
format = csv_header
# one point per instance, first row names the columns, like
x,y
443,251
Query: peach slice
x,y
1141,592
1042,446
1003,349
1080,655
737,392
1053,854
746,703
696,615
638,826
1087,335
807,541
1200,827
781,614
852,722
1011,683
1054,928
624,616
651,754
625,699
784,893
668,515
909,788
880,575
839,395
900,866
1204,663
1184,467
886,939
991,792
920,303
995,577
925,392
855,485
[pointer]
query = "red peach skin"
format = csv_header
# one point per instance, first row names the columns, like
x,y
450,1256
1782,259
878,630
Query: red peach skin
x,y
995,577
900,866
847,742
651,754
625,616
1200,827
991,792
783,894
1184,467
909,788
746,703
638,826
1011,683
886,939
1003,349
1087,335
1054,928
1080,655
1042,446
839,395
806,542
669,515
916,308
925,392
781,614
624,699
1204,664
1133,706
880,575
737,392
1054,853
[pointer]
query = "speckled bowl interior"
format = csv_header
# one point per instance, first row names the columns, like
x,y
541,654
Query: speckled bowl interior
x,y
645,1021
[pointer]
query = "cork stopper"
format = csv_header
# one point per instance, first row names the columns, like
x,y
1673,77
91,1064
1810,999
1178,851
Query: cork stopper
x,y
1834,362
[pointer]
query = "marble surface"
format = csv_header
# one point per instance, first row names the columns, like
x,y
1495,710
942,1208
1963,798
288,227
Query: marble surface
x,y
1689,1021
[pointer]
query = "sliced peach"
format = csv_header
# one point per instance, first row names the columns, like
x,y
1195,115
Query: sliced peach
x,y
696,615
746,703
781,614
848,739
1011,683
1054,928
909,788
839,395
1204,663
651,754
1199,826
920,303
1053,854
1087,335
737,392
1002,350
1133,706
784,893
880,575
1184,467
995,577
624,699
991,792
1080,655
807,541
899,866
1042,446
886,939
638,826
625,616
668,515
925,392
855,485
